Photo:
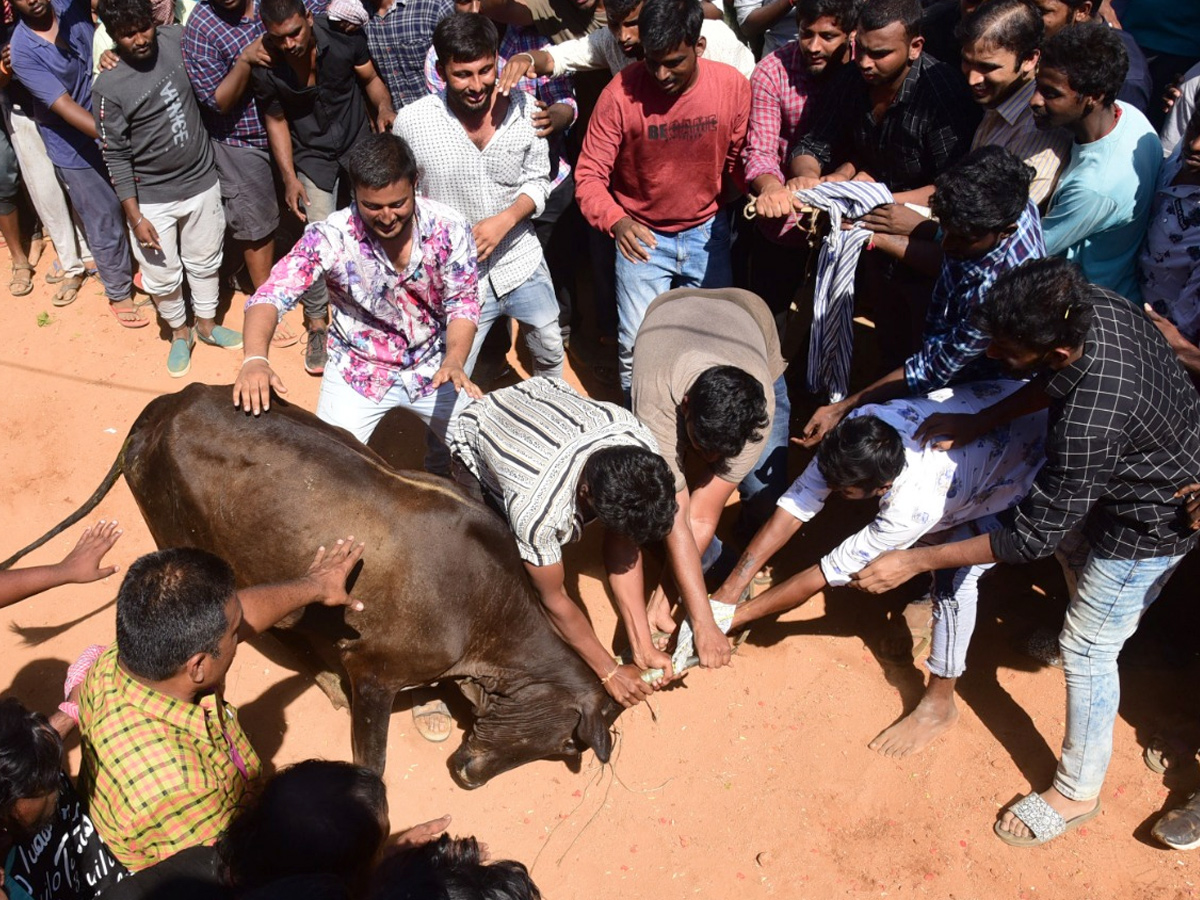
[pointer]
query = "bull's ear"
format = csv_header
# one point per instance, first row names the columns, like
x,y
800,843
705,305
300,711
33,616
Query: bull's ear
x,y
593,731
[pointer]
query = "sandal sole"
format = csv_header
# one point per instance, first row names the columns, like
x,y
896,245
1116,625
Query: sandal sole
x,y
1014,841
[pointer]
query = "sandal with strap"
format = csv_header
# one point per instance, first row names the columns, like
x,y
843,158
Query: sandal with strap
x,y
68,290
284,336
21,282
1043,820
129,318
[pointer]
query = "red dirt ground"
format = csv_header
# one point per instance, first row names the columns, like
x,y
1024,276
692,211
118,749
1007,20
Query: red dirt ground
x,y
754,781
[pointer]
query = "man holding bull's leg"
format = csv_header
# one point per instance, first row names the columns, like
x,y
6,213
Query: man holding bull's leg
x,y
551,461
404,293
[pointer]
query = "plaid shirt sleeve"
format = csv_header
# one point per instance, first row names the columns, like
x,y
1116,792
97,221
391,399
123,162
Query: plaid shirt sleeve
x,y
205,67
548,89
761,154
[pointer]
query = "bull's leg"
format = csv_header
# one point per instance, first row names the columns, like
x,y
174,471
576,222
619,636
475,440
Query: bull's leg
x,y
370,712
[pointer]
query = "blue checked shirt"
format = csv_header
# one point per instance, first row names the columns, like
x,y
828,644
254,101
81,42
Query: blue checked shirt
x,y
399,39
952,350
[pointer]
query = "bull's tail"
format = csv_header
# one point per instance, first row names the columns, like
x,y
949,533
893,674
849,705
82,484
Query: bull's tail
x,y
91,503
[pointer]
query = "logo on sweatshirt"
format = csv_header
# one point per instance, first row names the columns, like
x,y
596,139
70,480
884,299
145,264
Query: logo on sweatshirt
x,y
682,129
179,129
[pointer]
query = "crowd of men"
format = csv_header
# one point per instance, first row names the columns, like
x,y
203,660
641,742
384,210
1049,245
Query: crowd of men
x,y
985,178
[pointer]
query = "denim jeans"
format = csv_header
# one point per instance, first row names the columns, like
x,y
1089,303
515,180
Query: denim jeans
x,y
759,490
1108,602
92,196
532,303
697,257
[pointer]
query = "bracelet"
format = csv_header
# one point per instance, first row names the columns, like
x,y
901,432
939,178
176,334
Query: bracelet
x,y
252,358
134,226
529,56
607,678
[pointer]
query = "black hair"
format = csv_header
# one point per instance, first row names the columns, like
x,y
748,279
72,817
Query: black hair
x,y
379,160
465,37
1041,305
877,14
665,24
30,755
987,190
843,12
276,12
619,10
170,607
861,452
632,492
314,818
1012,25
1092,58
121,17
727,409
451,869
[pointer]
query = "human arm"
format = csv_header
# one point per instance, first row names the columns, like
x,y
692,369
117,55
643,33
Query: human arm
x,y
626,577
80,566
377,94
509,12
826,418
256,379
778,530
960,429
624,683
582,54
523,65
760,155
279,137
892,569
711,10
489,232
115,146
217,84
75,116
460,333
323,583
1185,351
1075,214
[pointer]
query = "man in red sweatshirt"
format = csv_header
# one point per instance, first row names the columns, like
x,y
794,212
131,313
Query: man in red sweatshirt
x,y
661,140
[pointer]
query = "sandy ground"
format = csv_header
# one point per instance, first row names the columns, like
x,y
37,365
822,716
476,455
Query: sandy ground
x,y
754,781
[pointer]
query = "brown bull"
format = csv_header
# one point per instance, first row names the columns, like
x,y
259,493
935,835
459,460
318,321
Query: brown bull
x,y
445,594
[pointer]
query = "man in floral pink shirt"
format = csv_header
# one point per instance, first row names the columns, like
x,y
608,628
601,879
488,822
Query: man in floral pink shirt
x,y
404,291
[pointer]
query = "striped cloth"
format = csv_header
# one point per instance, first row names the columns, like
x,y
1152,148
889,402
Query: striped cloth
x,y
831,343
1011,126
527,444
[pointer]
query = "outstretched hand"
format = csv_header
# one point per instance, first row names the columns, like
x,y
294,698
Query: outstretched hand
x,y
420,835
82,564
887,571
330,569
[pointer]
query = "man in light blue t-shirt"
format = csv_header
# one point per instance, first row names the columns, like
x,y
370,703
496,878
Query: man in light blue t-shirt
x,y
1098,214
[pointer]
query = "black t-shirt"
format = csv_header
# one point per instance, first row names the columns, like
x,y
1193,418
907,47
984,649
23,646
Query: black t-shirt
x,y
66,860
325,120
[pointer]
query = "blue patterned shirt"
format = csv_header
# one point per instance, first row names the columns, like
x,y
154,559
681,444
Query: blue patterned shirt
x,y
952,347
398,39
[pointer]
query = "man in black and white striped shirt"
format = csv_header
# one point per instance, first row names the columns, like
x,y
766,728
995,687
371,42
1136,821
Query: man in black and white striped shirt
x,y
551,461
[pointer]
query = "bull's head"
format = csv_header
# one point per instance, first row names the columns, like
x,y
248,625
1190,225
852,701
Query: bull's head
x,y
534,721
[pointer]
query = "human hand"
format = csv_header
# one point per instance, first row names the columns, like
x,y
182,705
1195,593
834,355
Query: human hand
x,y
6,65
514,70
625,685
1191,493
712,646
108,60
888,571
255,53
252,388
553,118
651,659
147,235
801,183
1174,336
454,373
82,564
630,237
819,424
892,218
329,571
488,233
384,119
775,202
420,835
947,431
296,198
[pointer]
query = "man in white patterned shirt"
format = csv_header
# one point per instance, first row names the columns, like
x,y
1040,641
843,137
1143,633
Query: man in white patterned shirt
x,y
478,152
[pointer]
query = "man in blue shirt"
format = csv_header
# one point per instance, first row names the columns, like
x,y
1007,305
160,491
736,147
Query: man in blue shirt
x,y
51,54
1098,214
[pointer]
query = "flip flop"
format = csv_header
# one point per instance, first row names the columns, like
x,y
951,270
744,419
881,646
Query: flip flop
x,y
425,711
68,289
1042,819
138,320
284,336
21,282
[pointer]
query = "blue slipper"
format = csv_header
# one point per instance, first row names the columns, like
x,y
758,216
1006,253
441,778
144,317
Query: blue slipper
x,y
221,336
179,359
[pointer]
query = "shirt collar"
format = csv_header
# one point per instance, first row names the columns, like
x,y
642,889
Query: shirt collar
x,y
189,717
425,222
909,86
1012,109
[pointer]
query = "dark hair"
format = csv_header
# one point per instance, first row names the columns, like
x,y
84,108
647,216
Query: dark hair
x,y
665,24
170,607
30,755
985,191
451,869
379,160
276,12
1092,58
314,818
125,16
632,492
861,452
1012,25
843,12
618,10
1040,305
876,14
727,408
465,37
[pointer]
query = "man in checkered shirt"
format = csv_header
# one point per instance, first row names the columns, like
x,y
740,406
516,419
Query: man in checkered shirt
x,y
1124,433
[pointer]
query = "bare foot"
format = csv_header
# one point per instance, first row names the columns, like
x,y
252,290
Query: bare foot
x,y
915,731
1067,808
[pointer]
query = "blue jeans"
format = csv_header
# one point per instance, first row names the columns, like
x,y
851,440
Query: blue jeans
x,y
697,257
103,221
759,490
533,303
1108,602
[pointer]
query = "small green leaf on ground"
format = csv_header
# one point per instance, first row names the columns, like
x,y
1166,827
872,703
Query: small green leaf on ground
x,y
43,319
